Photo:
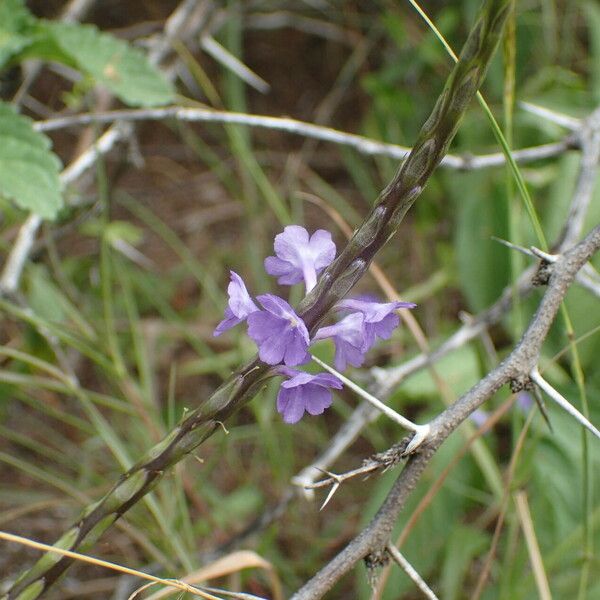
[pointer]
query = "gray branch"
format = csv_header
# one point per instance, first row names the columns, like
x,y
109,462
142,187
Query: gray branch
x,y
360,143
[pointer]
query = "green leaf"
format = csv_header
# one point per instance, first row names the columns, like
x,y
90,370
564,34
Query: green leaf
x,y
465,543
15,28
29,170
124,70
592,12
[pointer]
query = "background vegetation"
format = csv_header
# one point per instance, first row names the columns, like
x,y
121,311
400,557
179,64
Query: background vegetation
x,y
108,339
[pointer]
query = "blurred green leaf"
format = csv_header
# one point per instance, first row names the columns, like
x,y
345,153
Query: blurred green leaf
x,y
464,544
481,213
16,24
44,298
29,170
124,70
459,370
592,12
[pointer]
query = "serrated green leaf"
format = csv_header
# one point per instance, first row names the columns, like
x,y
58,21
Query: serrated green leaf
x,y
15,25
29,170
124,70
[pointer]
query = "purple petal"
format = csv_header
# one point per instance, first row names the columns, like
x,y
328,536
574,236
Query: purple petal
x,y
290,404
289,244
276,305
272,350
327,380
287,274
386,326
322,249
299,379
279,307
240,302
373,311
350,329
317,399
262,325
296,350
305,392
228,322
347,354
279,332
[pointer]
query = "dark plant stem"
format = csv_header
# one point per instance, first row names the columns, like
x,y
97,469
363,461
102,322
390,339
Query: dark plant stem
x,y
379,226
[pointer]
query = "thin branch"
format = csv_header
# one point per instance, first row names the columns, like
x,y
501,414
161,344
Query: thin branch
x,y
390,413
360,143
562,401
588,278
553,116
589,142
411,572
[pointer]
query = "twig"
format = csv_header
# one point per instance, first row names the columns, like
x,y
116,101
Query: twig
x,y
420,430
589,280
327,134
562,401
589,142
553,116
411,572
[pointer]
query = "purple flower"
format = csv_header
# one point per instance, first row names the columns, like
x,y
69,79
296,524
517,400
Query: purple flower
x,y
479,417
380,318
524,401
279,332
349,337
240,305
300,257
305,392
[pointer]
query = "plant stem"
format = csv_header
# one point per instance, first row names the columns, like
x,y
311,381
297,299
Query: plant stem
x,y
339,278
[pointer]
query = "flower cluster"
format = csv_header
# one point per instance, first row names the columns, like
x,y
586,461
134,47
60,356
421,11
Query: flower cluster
x,y
281,335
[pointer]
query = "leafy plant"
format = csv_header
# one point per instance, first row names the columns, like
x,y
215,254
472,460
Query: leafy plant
x,y
29,170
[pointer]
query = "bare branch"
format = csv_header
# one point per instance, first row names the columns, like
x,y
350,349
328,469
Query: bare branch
x,y
589,141
411,572
360,143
